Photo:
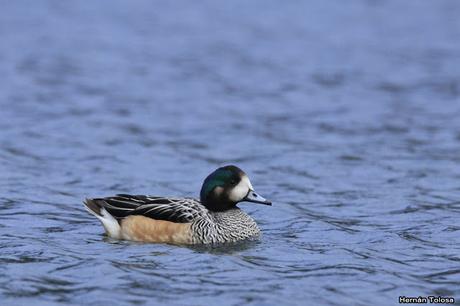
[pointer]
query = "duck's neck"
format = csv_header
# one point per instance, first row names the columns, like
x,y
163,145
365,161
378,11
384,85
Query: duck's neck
x,y
217,203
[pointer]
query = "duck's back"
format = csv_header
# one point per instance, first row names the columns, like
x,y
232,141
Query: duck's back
x,y
178,210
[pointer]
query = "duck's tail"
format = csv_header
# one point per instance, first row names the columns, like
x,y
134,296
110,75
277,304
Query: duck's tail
x,y
111,225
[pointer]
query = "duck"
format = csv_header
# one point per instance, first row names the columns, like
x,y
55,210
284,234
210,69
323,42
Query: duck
x,y
213,219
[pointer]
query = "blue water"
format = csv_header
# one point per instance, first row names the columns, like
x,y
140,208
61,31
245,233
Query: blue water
x,y
345,115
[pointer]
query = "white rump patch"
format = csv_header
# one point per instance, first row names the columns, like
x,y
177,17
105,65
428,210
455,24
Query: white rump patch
x,y
112,228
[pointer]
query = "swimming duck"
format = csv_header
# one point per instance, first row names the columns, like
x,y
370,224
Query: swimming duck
x,y
214,218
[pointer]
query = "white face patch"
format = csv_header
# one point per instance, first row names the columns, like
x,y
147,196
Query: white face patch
x,y
240,191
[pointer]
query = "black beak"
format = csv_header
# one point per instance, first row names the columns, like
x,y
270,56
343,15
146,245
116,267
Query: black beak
x,y
255,198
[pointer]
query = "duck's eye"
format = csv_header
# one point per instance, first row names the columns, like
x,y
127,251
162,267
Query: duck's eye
x,y
233,182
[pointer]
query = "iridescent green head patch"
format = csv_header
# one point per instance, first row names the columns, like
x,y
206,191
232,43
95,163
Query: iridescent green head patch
x,y
221,177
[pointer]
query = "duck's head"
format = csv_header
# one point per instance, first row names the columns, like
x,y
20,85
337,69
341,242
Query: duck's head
x,y
226,187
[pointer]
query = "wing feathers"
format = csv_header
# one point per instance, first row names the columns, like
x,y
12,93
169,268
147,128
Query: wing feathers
x,y
169,209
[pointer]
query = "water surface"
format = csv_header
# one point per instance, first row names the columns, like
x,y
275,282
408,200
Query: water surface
x,y
346,116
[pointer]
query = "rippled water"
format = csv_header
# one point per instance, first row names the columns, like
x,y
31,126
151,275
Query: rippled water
x,y
347,116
